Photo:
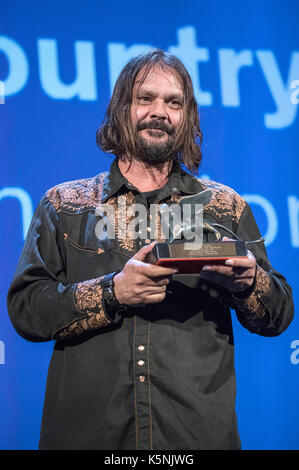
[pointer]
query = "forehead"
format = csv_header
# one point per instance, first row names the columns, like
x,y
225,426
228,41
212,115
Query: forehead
x,y
158,76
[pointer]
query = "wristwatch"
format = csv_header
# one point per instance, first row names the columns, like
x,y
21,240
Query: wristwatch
x,y
113,307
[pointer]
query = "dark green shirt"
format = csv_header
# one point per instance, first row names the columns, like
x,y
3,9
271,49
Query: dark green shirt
x,y
158,377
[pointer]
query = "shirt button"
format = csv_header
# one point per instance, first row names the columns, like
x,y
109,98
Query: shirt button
x,y
140,363
141,347
141,378
148,229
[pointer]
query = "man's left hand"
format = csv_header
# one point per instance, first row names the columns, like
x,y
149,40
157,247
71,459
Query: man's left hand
x,y
236,275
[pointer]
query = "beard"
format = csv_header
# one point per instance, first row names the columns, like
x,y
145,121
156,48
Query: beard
x,y
160,150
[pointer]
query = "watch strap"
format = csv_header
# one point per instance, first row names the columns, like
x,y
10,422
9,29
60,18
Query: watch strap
x,y
113,307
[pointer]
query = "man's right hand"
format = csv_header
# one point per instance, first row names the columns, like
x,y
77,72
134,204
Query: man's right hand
x,y
141,283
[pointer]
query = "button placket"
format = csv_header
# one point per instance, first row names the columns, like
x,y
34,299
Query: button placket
x,y
141,362
142,396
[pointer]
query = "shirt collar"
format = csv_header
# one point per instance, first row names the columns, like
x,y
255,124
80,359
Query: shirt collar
x,y
180,181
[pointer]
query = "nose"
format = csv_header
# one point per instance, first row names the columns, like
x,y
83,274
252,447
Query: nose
x,y
158,110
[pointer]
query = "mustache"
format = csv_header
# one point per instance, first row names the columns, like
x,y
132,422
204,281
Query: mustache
x,y
161,126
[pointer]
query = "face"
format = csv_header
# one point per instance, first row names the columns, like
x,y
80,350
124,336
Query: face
x,y
157,113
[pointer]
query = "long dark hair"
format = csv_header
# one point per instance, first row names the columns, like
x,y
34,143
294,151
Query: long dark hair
x,y
116,134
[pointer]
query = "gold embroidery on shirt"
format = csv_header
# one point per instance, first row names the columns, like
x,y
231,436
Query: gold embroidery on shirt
x,y
156,217
79,194
156,222
224,202
125,217
119,213
82,248
88,300
175,198
253,305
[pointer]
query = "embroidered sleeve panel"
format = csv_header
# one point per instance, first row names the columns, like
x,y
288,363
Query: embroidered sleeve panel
x,y
253,307
88,301
225,202
77,196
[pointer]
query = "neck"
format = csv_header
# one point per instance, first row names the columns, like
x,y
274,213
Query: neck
x,y
143,176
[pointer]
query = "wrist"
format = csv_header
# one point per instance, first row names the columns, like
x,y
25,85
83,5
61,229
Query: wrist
x,y
117,287
243,294
113,307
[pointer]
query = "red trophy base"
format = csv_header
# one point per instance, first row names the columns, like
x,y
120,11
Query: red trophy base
x,y
188,260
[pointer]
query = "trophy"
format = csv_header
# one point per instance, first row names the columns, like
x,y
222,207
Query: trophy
x,y
186,255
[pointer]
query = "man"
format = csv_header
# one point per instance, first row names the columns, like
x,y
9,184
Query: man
x,y
144,356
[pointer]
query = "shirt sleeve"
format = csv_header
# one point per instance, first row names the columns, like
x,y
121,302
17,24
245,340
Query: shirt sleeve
x,y
268,307
41,304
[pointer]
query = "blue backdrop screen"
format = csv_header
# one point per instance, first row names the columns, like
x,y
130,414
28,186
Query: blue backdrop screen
x,y
58,65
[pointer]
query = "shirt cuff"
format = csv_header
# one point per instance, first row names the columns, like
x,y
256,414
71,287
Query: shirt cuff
x,y
250,302
88,300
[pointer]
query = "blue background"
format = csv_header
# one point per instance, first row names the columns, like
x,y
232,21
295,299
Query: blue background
x,y
47,140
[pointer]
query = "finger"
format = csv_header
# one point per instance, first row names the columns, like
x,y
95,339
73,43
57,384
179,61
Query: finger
x,y
225,280
140,295
225,270
154,281
243,275
155,298
151,270
150,274
212,270
153,290
246,262
144,251
215,277
242,260
164,281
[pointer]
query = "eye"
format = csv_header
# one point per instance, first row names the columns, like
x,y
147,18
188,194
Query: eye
x,y
176,104
144,99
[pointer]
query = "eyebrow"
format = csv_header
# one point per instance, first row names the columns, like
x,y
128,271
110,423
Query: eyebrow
x,y
179,95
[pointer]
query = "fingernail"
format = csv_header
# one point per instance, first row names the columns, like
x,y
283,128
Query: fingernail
x,y
229,262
